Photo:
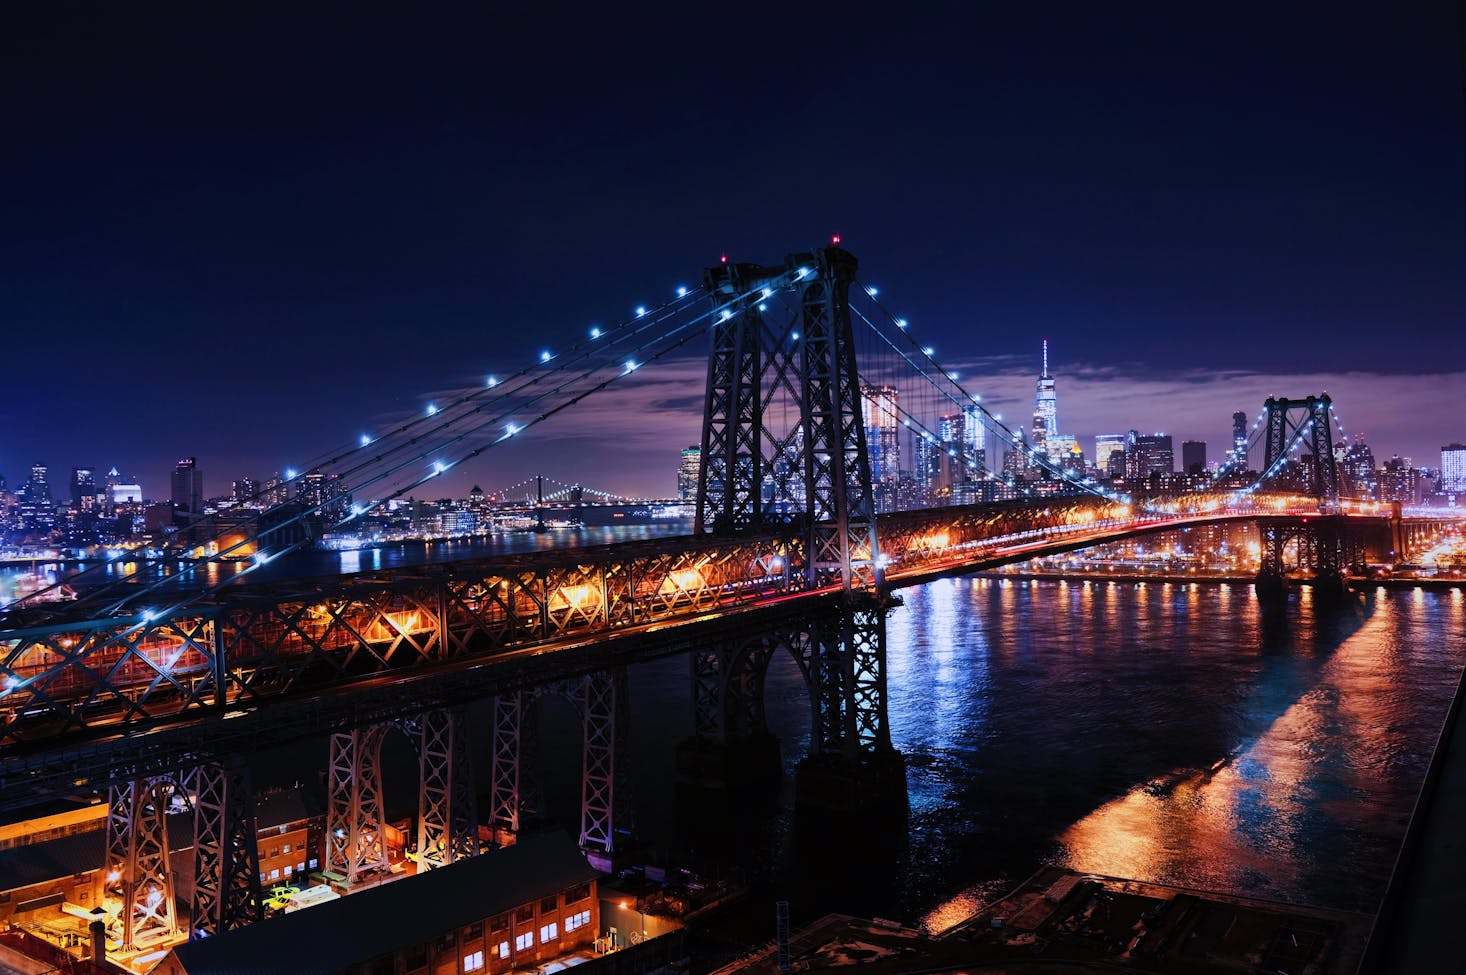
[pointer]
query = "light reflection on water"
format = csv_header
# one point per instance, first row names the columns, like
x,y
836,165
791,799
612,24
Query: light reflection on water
x,y
1079,725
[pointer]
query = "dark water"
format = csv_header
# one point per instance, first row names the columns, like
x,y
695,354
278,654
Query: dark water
x,y
1082,725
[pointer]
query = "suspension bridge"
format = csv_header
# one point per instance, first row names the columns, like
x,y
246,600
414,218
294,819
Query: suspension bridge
x,y
805,530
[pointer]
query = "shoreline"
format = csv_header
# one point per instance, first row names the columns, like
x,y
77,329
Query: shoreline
x,y
1357,583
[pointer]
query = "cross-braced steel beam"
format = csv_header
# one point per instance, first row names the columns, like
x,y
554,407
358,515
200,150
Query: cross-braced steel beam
x,y
226,854
355,819
603,813
137,861
447,822
506,760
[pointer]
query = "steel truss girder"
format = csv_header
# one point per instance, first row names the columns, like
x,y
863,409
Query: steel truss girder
x,y
226,853
355,817
60,680
137,873
447,819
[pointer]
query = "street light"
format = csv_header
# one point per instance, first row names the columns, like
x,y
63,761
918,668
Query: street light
x,y
641,917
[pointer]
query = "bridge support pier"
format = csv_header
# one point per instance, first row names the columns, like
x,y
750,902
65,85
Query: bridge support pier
x,y
731,751
447,817
601,698
137,861
355,818
853,767
226,853
1319,549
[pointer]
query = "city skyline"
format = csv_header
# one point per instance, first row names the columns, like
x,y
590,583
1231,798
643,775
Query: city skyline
x,y
1094,400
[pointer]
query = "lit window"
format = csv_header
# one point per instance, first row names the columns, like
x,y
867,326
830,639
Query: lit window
x,y
285,848
473,961
577,920
289,870
315,863
524,942
503,949
549,932
275,874
263,878
300,867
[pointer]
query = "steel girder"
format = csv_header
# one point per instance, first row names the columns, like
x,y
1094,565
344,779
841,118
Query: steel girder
x,y
604,801
226,852
447,821
506,760
57,681
731,475
137,873
355,816
601,701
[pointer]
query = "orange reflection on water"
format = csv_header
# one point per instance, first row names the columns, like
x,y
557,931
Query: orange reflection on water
x,y
1244,821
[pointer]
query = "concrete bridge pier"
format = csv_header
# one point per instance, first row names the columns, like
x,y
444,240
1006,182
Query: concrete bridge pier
x,y
1321,550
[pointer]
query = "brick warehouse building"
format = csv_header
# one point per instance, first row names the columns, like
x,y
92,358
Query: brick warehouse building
x,y
513,908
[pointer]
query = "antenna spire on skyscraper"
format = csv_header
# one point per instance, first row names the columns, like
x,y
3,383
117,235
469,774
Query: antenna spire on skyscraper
x,y
1046,359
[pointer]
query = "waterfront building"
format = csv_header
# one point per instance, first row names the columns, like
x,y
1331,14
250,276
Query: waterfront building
x,y
1148,454
1399,481
520,907
1106,445
687,472
1453,469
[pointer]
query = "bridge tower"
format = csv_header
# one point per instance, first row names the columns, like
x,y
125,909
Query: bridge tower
x,y
1293,421
784,447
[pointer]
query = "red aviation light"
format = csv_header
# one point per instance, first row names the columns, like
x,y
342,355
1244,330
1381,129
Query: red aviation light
x,y
835,240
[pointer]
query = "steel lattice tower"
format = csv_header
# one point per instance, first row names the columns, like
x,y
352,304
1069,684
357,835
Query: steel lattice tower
x,y
761,466
1289,420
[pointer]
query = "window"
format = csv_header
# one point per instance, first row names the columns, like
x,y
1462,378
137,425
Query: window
x,y
577,893
263,878
315,863
524,942
524,915
474,930
285,848
275,874
289,870
578,920
274,851
549,932
499,923
473,961
503,949
300,867
548,905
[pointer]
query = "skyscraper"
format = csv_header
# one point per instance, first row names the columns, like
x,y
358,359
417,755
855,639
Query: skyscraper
x,y
188,487
83,485
1046,406
1453,468
1106,445
1239,440
880,408
1193,456
687,471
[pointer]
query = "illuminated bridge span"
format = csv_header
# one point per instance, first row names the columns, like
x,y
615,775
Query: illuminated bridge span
x,y
153,690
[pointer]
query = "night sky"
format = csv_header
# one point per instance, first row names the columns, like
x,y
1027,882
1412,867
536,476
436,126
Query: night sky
x,y
247,233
